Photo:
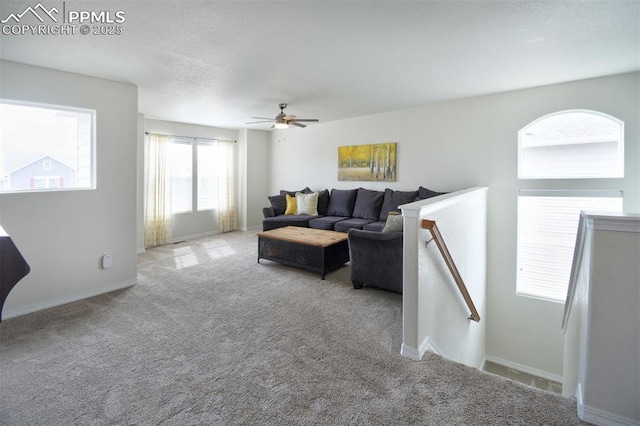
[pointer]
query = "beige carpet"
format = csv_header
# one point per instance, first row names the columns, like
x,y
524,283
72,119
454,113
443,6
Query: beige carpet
x,y
209,336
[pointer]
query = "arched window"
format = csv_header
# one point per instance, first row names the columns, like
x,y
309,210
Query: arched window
x,y
571,145
566,145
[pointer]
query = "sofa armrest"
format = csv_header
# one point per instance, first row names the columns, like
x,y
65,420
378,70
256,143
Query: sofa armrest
x,y
268,212
376,259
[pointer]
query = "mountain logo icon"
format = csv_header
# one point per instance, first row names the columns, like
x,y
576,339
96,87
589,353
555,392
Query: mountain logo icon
x,y
38,11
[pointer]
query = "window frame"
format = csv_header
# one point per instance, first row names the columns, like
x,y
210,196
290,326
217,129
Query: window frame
x,y
93,184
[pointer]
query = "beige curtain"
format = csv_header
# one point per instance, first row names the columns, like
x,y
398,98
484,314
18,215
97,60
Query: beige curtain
x,y
227,206
157,191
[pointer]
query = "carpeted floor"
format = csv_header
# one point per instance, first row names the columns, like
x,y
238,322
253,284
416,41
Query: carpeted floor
x,y
209,336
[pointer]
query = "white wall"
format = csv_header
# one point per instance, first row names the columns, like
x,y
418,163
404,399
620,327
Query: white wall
x,y
192,224
602,338
473,142
253,163
63,234
435,314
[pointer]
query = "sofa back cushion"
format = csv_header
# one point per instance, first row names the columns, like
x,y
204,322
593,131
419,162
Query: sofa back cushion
x,y
368,204
341,202
323,202
293,193
393,199
424,193
279,204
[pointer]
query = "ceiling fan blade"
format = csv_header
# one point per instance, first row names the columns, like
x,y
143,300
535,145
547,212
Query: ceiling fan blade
x,y
294,123
309,120
263,118
256,122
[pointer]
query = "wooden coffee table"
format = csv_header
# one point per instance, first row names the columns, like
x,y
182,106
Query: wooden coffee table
x,y
316,250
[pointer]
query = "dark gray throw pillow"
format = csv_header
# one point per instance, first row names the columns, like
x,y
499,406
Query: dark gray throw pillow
x,y
323,202
341,202
424,193
393,199
368,204
278,203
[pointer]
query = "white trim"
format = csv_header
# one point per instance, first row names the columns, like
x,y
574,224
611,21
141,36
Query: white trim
x,y
612,221
409,352
573,277
417,354
70,298
417,208
429,345
525,369
612,193
600,417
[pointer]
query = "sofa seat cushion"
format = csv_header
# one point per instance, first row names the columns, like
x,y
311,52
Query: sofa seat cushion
x,y
326,222
375,226
286,220
354,223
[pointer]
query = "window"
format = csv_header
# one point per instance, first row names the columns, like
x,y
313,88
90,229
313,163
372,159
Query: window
x,y
45,148
572,144
207,176
181,170
183,153
565,146
547,227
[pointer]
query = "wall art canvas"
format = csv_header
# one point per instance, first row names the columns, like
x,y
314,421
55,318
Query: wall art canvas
x,y
374,162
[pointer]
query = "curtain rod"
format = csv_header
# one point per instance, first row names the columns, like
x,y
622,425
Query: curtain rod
x,y
191,137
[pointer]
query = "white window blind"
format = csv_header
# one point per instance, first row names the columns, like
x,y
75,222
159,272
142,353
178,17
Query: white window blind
x,y
547,227
572,144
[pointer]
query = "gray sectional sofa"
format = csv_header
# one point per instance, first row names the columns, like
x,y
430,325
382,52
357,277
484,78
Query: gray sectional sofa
x,y
343,209
375,245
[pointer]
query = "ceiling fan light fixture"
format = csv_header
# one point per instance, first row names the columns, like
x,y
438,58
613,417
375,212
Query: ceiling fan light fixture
x,y
281,125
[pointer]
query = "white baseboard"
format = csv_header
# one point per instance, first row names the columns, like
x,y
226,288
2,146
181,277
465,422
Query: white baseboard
x,y
600,417
68,299
409,352
417,354
523,368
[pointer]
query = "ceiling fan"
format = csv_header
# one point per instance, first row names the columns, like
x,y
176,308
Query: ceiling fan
x,y
283,121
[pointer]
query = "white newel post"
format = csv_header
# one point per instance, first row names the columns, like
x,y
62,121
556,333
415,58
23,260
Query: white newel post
x,y
410,292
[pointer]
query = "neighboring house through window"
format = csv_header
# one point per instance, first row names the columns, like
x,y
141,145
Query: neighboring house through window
x,y
45,147
566,146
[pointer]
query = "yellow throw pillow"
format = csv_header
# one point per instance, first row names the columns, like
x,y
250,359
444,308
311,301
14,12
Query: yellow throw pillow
x,y
292,207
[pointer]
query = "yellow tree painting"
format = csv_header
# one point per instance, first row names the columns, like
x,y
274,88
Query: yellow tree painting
x,y
374,162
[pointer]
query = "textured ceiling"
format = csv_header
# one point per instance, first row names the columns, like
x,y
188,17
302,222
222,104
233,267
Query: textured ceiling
x,y
220,62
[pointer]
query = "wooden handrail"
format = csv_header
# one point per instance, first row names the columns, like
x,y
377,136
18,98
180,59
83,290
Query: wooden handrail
x,y
437,236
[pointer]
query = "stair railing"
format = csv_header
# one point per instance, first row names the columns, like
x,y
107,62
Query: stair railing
x,y
431,226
